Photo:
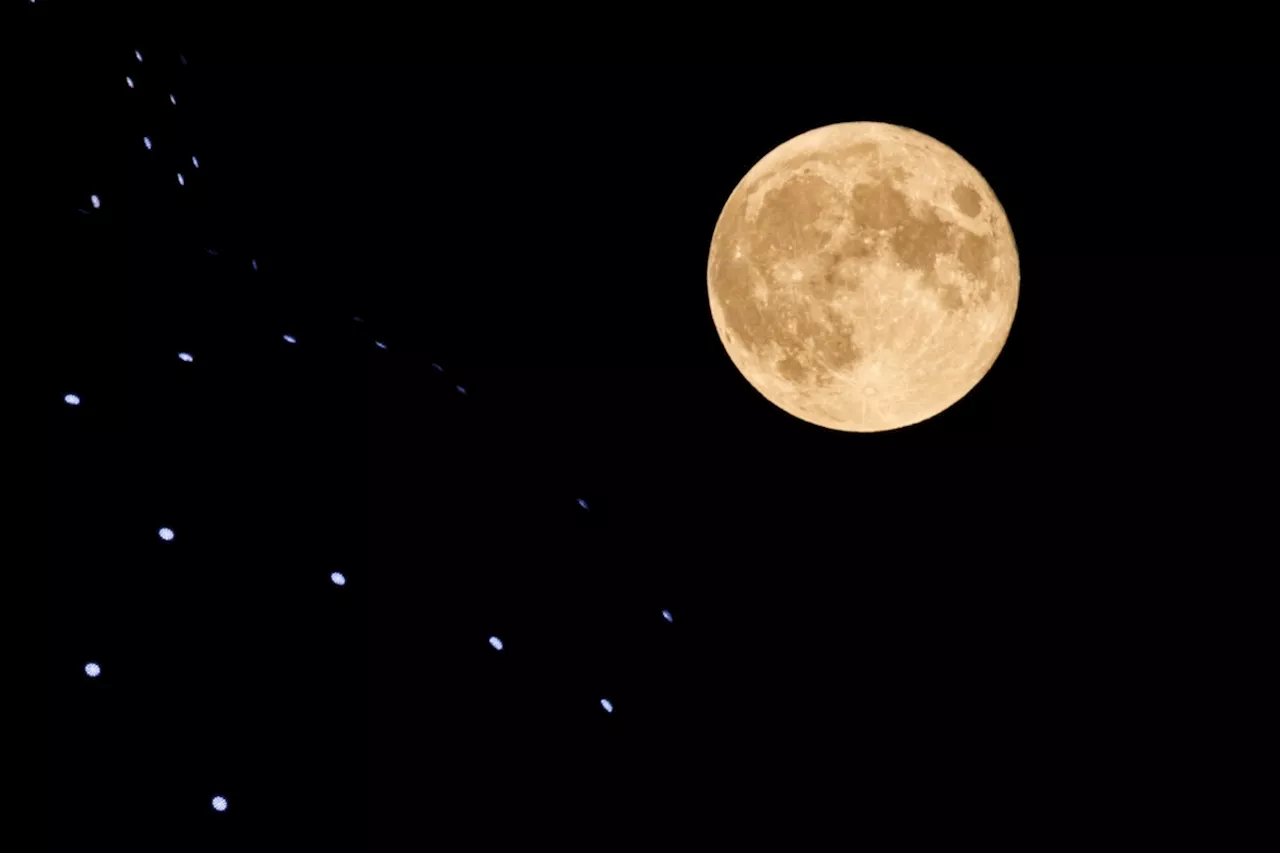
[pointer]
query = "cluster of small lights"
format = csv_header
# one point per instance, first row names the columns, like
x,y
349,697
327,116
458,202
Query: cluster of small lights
x,y
92,669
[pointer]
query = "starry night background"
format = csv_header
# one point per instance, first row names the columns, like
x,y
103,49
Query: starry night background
x,y
549,446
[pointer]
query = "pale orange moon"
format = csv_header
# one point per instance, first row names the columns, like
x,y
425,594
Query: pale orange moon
x,y
863,277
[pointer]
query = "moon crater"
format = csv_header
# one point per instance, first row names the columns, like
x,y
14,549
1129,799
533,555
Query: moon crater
x,y
863,276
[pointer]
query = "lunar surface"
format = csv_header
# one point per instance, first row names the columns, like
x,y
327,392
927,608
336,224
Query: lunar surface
x,y
863,277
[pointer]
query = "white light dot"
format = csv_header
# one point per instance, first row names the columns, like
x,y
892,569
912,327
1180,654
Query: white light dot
x,y
97,202
166,534
607,705
666,614
462,391
582,502
219,804
339,578
496,643
138,54
291,339
185,356
72,400
196,163
92,670
129,80
146,140
173,100
181,180
380,344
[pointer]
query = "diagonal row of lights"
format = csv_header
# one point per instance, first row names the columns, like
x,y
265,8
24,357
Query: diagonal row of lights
x,y
93,669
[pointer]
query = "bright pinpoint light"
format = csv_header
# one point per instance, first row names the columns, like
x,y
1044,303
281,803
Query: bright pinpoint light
x,y
185,356
138,54
666,614
462,391
582,502
97,202
182,182
496,643
196,163
219,804
380,344
173,100
338,578
166,534
72,400
92,670
129,80
146,140
291,339
607,705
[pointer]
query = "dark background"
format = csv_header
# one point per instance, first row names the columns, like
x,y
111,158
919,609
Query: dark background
x,y
858,629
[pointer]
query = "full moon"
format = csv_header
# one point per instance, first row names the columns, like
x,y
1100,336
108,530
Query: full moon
x,y
863,277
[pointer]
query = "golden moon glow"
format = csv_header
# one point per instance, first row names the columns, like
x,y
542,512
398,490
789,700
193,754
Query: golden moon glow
x,y
863,277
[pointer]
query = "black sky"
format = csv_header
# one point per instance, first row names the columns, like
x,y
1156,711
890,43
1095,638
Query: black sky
x,y
856,615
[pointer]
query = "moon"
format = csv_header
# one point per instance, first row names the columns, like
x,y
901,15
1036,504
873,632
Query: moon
x,y
863,277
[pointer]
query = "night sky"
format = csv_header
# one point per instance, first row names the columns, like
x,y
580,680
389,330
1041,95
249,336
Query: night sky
x,y
550,447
